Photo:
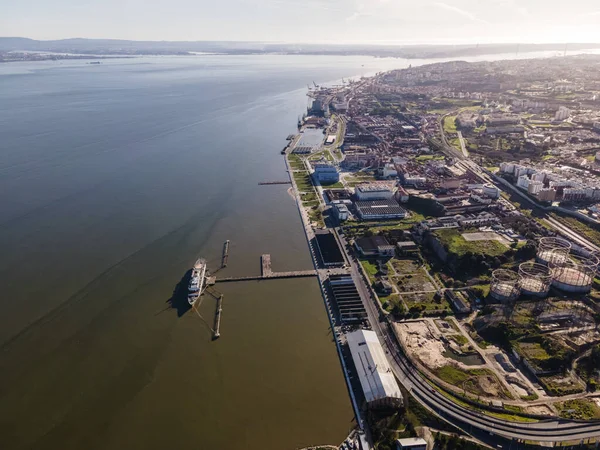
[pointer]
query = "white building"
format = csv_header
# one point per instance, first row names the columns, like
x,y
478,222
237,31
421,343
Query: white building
x,y
414,180
520,170
413,443
375,375
373,192
560,183
563,113
389,171
535,187
491,191
507,167
523,181
574,194
341,212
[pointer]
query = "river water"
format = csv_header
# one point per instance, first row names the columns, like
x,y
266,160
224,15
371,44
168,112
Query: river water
x,y
114,178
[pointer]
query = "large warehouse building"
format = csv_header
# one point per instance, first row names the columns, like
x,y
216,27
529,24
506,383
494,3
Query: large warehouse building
x,y
376,377
349,304
380,209
373,191
329,250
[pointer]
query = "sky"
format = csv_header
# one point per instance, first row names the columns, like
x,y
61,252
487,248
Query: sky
x,y
307,21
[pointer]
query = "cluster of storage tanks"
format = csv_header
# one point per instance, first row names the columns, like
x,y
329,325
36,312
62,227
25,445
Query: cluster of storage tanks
x,y
555,266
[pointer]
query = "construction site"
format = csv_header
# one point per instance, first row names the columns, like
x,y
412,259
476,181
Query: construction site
x,y
529,348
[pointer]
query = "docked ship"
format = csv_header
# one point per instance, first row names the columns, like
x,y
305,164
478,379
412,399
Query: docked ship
x,y
196,281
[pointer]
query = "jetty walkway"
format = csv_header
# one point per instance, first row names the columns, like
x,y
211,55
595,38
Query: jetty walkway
x,y
267,183
265,273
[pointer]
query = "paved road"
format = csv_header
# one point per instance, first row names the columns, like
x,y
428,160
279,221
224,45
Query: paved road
x,y
463,147
570,234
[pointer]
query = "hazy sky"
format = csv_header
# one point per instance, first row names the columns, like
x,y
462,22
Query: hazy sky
x,y
344,21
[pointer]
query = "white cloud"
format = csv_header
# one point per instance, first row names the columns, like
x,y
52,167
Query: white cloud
x,y
469,15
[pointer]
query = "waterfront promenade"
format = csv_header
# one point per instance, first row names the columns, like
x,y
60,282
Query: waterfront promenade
x,y
323,275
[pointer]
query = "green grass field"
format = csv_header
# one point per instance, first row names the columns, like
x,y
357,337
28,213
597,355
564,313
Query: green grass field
x,y
370,268
472,380
450,124
455,243
303,181
533,350
578,409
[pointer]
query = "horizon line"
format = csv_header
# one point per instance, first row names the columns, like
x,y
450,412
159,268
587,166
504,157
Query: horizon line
x,y
329,43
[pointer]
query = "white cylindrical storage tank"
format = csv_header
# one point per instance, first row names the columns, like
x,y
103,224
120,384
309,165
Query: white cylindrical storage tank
x,y
505,285
534,279
576,274
552,250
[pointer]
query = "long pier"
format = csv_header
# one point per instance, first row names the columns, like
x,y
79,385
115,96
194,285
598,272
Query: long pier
x,y
225,255
266,183
273,276
216,332
266,273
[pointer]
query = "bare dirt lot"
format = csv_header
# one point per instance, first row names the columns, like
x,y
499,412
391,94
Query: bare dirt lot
x,y
423,341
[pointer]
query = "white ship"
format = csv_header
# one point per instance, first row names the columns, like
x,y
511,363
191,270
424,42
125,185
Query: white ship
x,y
196,281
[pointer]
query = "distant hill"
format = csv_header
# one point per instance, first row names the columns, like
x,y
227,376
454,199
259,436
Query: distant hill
x,y
124,47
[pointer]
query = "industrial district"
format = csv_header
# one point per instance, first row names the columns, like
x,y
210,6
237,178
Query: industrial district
x,y
452,212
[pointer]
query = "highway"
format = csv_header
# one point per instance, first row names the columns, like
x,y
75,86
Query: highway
x,y
463,147
472,422
570,234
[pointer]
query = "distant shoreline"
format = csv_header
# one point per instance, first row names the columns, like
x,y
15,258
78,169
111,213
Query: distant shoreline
x,y
100,48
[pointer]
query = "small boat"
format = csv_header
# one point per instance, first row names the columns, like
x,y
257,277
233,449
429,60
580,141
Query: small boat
x,y
196,283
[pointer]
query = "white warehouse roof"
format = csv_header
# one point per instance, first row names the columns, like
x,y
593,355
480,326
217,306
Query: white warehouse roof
x,y
372,187
376,377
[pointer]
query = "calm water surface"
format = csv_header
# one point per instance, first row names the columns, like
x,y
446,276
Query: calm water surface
x,y
114,178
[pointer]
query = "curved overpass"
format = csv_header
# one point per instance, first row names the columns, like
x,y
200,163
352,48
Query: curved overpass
x,y
544,431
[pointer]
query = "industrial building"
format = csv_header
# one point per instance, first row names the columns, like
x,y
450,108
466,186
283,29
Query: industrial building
x,y
329,250
505,286
535,279
374,246
376,377
325,173
347,299
341,212
458,301
373,192
380,209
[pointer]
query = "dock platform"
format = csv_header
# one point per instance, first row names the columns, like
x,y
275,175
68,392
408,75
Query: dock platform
x,y
266,273
265,268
